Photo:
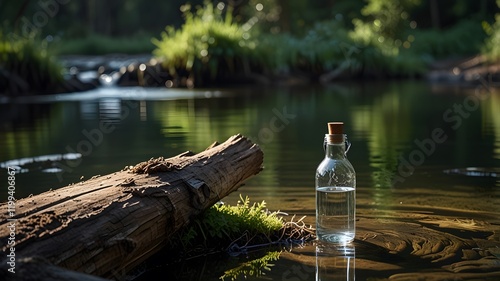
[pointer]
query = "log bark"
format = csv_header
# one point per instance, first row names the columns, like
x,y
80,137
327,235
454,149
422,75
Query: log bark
x,y
108,224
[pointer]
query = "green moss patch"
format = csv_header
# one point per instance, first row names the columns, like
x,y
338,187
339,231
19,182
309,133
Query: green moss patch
x,y
237,229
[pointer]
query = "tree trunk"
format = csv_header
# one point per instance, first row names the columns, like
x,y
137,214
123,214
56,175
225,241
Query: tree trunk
x,y
108,224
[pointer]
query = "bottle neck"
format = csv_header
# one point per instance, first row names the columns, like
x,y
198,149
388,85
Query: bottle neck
x,y
335,146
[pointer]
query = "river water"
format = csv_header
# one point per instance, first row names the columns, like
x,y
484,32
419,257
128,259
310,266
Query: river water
x,y
416,147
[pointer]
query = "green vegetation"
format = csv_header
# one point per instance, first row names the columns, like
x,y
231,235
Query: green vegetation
x,y
218,42
26,66
463,39
324,47
382,42
242,229
237,229
222,223
492,45
209,42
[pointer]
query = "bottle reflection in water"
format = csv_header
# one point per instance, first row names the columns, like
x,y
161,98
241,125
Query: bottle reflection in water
x,y
335,262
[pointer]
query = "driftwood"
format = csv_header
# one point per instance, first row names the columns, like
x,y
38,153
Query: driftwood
x,y
108,224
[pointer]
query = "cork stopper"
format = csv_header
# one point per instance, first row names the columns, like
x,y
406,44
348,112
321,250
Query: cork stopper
x,y
335,128
336,132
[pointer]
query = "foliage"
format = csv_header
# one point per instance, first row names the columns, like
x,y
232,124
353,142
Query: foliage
x,y
465,38
384,45
222,223
329,45
388,17
253,268
491,47
326,46
270,56
208,42
129,17
76,19
266,12
218,40
26,66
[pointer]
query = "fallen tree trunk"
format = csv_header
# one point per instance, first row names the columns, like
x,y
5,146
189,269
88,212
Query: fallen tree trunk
x,y
107,225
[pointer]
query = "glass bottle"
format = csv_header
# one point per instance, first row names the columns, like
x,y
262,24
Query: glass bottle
x,y
335,189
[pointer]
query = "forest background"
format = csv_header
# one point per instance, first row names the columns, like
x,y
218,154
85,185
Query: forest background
x,y
364,38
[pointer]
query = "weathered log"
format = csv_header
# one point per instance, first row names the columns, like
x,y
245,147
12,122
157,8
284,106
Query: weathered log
x,y
108,224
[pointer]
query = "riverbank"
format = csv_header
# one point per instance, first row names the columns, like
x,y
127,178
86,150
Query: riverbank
x,y
465,71
145,70
87,72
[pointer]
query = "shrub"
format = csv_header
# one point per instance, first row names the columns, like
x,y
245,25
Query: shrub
x,y
208,42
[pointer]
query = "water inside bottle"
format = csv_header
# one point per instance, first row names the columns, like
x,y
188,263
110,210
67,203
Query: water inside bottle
x,y
335,213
